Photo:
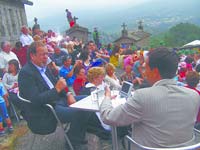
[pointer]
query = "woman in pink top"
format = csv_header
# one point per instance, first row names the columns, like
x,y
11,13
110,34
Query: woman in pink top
x,y
130,60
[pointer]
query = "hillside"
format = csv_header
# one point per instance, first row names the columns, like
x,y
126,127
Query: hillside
x,y
158,16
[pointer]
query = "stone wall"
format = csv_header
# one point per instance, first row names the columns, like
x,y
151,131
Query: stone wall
x,y
12,17
144,43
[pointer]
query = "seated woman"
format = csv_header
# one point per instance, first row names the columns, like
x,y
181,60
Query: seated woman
x,y
95,77
114,56
80,80
85,57
110,78
129,76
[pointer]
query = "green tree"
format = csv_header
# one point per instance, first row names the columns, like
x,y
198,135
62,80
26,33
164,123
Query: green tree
x,y
157,41
181,34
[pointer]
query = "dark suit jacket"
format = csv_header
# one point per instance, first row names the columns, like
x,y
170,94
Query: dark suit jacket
x,y
34,88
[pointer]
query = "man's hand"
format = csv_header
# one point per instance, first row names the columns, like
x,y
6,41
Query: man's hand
x,y
70,99
60,85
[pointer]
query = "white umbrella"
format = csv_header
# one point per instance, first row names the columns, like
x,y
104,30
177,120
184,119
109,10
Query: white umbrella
x,y
195,43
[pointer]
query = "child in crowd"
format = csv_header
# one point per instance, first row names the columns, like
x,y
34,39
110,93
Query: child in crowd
x,y
3,109
10,81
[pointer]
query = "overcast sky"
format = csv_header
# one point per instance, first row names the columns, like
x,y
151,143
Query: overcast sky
x,y
44,8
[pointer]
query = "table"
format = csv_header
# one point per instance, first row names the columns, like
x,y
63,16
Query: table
x,y
88,105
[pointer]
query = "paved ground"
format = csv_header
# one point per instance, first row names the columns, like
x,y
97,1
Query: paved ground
x,y
56,141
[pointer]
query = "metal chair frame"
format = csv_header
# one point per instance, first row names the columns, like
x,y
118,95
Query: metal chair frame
x,y
189,147
64,128
13,109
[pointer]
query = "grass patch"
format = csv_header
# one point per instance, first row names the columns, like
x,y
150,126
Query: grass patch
x,y
8,142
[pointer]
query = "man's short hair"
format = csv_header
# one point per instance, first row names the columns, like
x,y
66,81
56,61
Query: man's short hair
x,y
192,78
165,60
33,47
66,57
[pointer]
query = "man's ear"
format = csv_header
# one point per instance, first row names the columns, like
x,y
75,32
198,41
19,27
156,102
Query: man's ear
x,y
31,56
157,73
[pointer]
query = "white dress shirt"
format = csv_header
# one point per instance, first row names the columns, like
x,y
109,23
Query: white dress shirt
x,y
26,39
5,58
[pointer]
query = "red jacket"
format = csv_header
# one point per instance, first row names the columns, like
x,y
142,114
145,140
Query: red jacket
x,y
78,84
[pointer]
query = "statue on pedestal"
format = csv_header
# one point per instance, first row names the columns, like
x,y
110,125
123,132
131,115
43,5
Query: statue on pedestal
x,y
96,37
71,20
36,27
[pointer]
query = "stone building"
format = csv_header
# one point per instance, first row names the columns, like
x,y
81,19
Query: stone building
x,y
79,32
142,38
139,38
12,17
125,40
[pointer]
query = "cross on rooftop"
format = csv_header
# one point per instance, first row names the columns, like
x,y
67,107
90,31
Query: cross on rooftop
x,y
124,26
75,18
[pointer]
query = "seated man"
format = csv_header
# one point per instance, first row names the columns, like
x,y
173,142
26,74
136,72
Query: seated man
x,y
5,56
58,56
164,114
25,38
37,84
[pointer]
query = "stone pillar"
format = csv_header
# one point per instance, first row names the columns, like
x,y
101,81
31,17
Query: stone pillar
x,y
23,17
19,18
6,22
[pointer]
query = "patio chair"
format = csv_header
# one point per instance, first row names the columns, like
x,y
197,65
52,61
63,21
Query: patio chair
x,y
65,128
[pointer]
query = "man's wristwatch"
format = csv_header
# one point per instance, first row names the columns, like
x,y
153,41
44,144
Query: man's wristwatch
x,y
69,93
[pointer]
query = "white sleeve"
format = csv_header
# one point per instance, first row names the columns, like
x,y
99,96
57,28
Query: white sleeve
x,y
2,62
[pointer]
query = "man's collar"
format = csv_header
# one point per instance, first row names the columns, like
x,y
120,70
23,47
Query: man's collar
x,y
165,82
43,69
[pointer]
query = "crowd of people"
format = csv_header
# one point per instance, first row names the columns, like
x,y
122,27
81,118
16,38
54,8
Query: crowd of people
x,y
60,70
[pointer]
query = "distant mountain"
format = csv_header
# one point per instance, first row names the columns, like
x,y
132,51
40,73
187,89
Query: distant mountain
x,y
157,17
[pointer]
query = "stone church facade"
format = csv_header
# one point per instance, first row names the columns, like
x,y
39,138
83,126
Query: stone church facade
x,y
12,17
138,38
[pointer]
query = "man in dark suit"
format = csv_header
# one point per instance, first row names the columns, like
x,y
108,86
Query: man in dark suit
x,y
37,84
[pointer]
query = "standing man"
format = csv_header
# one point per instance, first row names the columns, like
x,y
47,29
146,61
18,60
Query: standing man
x,y
37,84
164,114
